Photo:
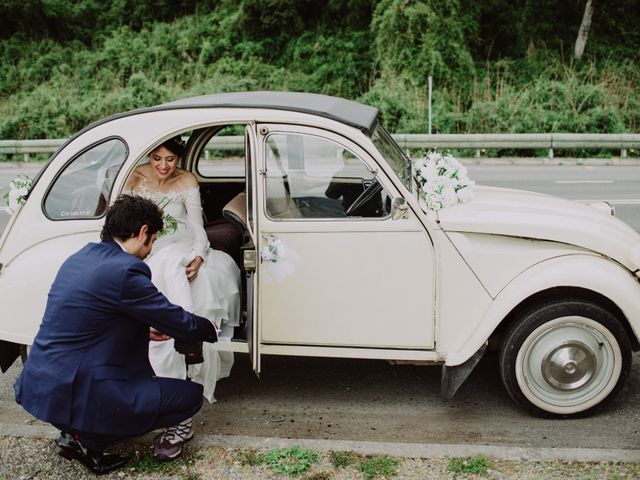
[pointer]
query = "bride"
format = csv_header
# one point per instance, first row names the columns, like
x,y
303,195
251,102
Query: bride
x,y
189,273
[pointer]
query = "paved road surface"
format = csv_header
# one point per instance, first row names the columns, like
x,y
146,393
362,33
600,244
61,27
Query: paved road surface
x,y
339,399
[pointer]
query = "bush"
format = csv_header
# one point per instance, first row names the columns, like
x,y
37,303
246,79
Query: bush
x,y
144,53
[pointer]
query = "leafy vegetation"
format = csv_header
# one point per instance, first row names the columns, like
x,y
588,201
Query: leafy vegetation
x,y
290,461
379,466
343,459
497,65
249,458
476,465
144,463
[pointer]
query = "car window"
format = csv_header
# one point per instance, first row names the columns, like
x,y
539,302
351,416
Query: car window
x,y
311,177
83,188
223,156
399,162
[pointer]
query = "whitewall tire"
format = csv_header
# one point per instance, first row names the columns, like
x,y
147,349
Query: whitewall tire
x,y
565,358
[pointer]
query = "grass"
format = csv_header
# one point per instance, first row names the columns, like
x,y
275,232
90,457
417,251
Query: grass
x,y
477,465
319,476
290,461
249,458
379,466
145,464
343,459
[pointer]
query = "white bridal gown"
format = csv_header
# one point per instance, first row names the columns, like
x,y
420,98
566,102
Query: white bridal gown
x,y
214,294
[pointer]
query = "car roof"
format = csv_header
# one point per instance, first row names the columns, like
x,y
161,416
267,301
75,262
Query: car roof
x,y
345,111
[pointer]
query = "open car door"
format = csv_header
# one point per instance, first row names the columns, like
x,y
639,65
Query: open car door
x,y
250,256
336,270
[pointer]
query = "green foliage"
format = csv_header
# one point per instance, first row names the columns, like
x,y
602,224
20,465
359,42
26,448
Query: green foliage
x,y
498,66
477,465
379,466
421,38
145,464
290,461
249,458
342,459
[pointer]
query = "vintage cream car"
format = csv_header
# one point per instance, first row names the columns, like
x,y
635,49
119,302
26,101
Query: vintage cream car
x,y
342,257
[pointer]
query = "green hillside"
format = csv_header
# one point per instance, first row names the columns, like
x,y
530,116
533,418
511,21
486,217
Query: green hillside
x,y
498,65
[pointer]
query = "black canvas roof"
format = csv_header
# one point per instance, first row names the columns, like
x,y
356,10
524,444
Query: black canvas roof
x,y
351,113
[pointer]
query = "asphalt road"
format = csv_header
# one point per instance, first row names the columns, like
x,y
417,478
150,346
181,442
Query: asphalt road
x,y
619,185
337,399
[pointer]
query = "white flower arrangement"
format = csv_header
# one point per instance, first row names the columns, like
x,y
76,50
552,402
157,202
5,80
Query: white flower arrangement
x,y
279,262
443,180
19,188
273,251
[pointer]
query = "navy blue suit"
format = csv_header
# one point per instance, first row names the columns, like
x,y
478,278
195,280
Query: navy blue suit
x,y
89,370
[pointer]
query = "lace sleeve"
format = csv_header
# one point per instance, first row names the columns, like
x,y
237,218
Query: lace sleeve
x,y
194,217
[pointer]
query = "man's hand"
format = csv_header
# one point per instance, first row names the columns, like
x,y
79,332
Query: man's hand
x,y
193,268
157,335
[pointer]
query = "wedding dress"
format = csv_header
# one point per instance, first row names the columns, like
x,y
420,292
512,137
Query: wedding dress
x,y
213,294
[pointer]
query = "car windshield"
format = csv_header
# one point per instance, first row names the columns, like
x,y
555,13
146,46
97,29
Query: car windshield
x,y
392,153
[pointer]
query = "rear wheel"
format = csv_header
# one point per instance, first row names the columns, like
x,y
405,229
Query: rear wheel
x,y
565,358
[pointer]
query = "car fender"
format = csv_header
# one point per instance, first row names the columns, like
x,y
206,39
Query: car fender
x,y
26,280
588,271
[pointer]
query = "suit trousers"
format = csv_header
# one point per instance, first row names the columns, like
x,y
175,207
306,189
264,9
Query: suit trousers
x,y
179,400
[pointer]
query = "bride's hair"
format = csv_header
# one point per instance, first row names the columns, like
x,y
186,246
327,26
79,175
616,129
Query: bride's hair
x,y
176,146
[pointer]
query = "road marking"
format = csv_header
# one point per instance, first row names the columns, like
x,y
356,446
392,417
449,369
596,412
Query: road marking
x,y
4,209
617,201
582,181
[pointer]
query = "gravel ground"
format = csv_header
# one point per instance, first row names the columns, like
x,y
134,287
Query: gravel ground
x,y
32,458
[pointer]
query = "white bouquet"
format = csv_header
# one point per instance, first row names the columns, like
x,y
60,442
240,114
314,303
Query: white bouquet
x,y
19,188
443,180
273,251
278,262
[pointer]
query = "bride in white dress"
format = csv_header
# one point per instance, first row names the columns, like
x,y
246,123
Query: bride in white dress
x,y
183,267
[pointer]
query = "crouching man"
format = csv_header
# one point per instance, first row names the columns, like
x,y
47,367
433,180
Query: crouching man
x,y
88,373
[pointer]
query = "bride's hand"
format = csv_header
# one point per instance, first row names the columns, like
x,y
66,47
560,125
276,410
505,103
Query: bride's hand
x,y
193,268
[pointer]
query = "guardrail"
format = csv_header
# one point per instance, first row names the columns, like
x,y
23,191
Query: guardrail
x,y
408,141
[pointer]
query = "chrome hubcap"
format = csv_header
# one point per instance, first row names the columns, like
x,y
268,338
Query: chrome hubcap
x,y
569,366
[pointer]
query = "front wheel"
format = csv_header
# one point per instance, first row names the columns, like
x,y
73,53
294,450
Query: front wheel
x,y
565,358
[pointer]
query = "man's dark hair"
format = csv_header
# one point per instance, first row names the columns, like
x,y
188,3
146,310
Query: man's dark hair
x,y
128,214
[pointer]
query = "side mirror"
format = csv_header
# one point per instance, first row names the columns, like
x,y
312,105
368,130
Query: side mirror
x,y
399,208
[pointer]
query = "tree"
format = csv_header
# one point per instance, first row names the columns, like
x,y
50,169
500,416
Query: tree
x,y
585,26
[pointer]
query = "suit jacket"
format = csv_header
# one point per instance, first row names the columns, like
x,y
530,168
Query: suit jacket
x,y
89,366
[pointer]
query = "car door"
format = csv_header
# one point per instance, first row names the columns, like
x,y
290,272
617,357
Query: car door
x,y
335,269
249,252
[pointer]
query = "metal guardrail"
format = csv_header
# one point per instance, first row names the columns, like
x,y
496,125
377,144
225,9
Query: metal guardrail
x,y
547,141
407,141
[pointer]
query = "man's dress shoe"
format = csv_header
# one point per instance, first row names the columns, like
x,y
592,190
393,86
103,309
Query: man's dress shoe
x,y
98,462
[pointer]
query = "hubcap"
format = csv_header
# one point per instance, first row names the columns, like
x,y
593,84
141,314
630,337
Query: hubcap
x,y
569,366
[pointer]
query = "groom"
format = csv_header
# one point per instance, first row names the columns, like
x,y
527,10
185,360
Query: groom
x,y
88,373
